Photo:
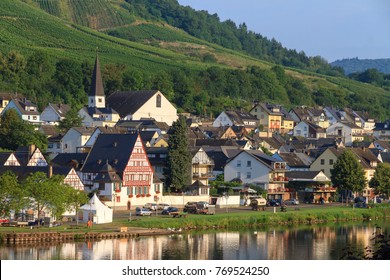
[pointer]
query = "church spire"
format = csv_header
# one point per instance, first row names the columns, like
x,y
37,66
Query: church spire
x,y
96,96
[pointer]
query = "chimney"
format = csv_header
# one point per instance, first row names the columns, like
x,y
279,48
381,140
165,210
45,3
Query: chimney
x,y
50,171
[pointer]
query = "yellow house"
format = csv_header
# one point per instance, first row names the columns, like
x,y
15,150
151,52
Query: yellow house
x,y
287,125
270,116
366,158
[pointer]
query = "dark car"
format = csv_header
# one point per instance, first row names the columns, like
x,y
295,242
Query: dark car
x,y
170,210
190,207
273,202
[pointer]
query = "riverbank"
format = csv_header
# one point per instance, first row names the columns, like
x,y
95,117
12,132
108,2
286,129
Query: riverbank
x,y
161,224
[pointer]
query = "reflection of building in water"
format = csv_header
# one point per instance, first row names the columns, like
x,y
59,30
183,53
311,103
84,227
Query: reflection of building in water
x,y
318,242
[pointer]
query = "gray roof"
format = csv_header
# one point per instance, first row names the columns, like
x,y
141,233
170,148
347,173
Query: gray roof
x,y
75,160
114,149
128,102
96,81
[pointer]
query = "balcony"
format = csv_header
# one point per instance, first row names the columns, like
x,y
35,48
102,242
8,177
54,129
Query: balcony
x,y
202,175
276,190
279,179
279,166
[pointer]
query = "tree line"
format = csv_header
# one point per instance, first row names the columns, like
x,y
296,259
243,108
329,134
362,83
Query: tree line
x,y
203,92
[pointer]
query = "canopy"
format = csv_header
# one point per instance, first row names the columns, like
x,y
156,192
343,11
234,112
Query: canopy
x,y
96,211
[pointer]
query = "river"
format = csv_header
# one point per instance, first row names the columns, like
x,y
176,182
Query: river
x,y
317,242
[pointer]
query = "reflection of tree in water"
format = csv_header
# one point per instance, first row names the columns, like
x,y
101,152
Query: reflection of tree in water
x,y
378,250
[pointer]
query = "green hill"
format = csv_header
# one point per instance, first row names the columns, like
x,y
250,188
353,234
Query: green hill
x,y
353,65
197,75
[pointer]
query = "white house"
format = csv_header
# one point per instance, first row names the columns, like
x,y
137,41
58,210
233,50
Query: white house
x,y
255,167
382,131
138,105
238,118
307,129
348,131
93,116
75,139
25,109
54,113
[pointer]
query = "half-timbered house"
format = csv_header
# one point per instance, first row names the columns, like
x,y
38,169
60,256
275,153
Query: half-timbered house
x,y
126,157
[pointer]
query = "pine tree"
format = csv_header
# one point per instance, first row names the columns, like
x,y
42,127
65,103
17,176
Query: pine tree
x,y
347,173
178,172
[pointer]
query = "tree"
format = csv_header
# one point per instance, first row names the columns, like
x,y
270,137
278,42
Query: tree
x,y
347,173
381,180
72,119
46,193
75,198
11,194
15,132
179,157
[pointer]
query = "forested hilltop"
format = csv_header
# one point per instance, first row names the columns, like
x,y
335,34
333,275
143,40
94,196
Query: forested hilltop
x,y
48,56
353,65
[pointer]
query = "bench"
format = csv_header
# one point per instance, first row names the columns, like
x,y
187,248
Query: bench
x,y
123,229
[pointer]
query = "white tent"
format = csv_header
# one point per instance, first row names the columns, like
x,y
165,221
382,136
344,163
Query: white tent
x,y
99,212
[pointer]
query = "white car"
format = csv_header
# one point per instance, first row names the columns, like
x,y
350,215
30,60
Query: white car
x,y
142,212
151,206
163,206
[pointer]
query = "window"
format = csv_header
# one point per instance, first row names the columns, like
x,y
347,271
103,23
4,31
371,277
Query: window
x,y
118,198
158,101
331,161
248,175
248,163
322,161
239,175
238,163
101,186
100,100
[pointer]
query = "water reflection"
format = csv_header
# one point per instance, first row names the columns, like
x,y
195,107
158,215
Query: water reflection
x,y
305,243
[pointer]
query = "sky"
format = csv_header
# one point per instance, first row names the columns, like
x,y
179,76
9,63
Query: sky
x,y
332,29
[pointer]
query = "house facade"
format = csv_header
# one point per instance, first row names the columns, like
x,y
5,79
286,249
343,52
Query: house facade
x,y
119,165
349,132
54,113
307,129
270,116
201,170
25,109
138,105
254,167
74,140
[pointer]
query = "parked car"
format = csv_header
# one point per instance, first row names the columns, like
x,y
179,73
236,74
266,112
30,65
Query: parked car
x,y
273,202
190,207
202,205
170,210
151,206
257,202
291,201
142,211
162,206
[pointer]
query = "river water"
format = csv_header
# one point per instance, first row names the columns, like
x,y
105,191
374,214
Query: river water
x,y
317,242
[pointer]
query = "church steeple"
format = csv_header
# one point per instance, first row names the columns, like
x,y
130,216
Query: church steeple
x,y
96,97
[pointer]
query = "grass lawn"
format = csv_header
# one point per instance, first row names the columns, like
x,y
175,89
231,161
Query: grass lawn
x,y
225,220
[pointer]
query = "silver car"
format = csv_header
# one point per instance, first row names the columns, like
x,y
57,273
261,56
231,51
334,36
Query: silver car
x,y
291,201
142,212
